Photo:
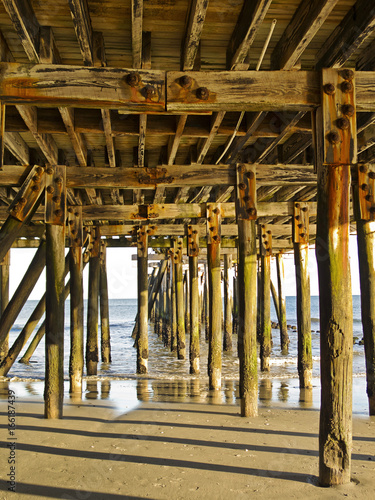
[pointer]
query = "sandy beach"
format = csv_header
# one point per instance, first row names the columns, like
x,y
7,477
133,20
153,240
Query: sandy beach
x,y
171,450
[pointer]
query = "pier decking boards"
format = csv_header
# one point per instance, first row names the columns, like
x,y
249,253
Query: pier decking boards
x,y
150,125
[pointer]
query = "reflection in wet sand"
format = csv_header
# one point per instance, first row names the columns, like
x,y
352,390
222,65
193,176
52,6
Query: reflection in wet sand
x,y
92,389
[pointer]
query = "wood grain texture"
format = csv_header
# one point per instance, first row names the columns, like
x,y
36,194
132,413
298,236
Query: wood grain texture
x,y
193,33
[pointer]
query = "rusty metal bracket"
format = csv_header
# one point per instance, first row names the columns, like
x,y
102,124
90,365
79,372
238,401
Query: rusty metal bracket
x,y
366,190
142,241
300,222
55,212
93,247
213,222
177,249
154,176
192,240
29,193
75,223
265,240
102,251
246,192
145,212
339,127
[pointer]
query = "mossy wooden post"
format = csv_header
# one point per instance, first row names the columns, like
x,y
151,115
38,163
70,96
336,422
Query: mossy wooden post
x,y
4,298
284,338
235,303
206,300
92,352
215,301
105,338
142,338
167,328
187,299
265,242
193,252
227,345
55,217
336,149
181,340
301,255
76,360
247,279
173,310
363,200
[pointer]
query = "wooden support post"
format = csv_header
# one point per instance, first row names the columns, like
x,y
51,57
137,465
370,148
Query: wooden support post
x,y
4,299
173,307
284,338
235,305
336,149
92,355
265,241
227,345
2,133
142,338
104,307
159,326
55,217
23,291
275,300
76,360
167,329
181,340
193,252
247,300
301,254
363,198
214,285
187,299
206,307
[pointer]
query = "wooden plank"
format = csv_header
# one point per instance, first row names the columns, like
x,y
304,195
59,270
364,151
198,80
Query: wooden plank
x,y
366,60
107,125
307,20
205,144
77,85
193,33
26,25
142,140
82,25
352,32
175,140
137,25
48,51
77,140
249,21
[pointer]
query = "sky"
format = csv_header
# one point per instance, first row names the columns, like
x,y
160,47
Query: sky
x,y
122,272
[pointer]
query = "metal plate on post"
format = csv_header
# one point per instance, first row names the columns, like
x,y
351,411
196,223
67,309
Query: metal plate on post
x,y
28,194
142,242
95,242
177,250
265,240
213,223
366,190
55,195
75,226
246,192
192,240
301,222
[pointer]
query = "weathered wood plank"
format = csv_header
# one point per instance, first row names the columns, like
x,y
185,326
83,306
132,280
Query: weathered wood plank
x,y
82,25
308,18
196,18
175,140
205,144
249,20
137,25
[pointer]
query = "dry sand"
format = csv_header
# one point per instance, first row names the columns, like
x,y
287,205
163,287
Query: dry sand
x,y
175,451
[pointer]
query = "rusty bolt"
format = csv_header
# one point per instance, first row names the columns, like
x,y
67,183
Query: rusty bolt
x,y
76,240
209,219
346,87
59,180
49,170
297,217
35,188
133,79
347,74
266,244
50,189
36,178
190,228
251,211
39,170
185,81
304,209
59,212
148,231
329,88
371,175
71,222
363,169
203,93
215,238
364,187
73,231
242,185
263,226
76,214
368,197
22,201
263,236
343,123
150,91
216,211
269,232
372,209
348,110
70,210
212,229
241,168
195,231
333,137
56,199
300,225
297,205
302,235
250,175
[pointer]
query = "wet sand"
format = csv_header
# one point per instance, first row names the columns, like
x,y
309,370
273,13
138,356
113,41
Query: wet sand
x,y
175,450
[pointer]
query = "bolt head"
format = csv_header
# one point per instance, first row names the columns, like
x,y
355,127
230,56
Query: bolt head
x,y
185,81
348,110
329,88
334,137
35,188
133,79
343,123
203,93
49,170
347,87
22,201
371,175
150,91
347,74
59,212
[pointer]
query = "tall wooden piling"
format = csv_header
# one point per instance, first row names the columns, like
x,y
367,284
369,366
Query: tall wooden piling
x,y
167,309
187,299
105,338
284,338
228,303
247,299
142,270
76,360
301,255
363,194
4,298
265,240
193,252
214,284
173,309
180,309
92,352
336,149
55,217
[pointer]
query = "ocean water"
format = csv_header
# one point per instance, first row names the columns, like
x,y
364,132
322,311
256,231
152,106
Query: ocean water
x,y
169,376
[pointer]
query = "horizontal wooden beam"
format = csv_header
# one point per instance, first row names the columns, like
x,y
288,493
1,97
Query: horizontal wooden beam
x,y
169,175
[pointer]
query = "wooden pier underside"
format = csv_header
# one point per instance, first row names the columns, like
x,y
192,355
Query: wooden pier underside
x,y
134,121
